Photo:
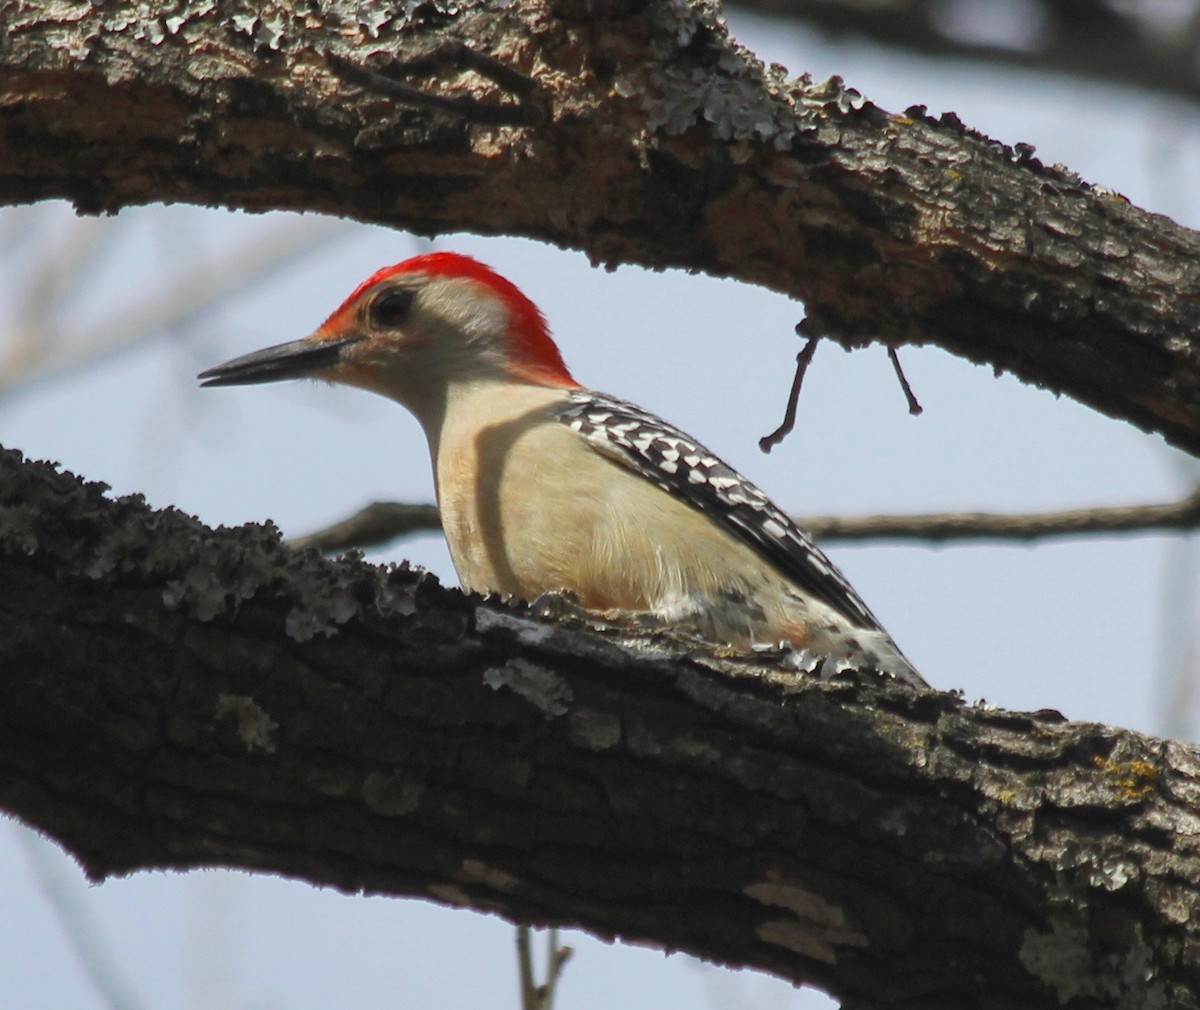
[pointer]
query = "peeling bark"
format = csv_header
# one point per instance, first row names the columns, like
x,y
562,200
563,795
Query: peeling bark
x,y
661,142
180,697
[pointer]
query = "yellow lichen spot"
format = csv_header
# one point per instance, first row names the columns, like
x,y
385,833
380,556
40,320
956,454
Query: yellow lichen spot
x,y
903,120
1135,779
1006,795
954,173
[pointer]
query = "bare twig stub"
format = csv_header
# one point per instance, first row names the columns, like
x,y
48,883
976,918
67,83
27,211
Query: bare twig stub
x,y
803,360
914,406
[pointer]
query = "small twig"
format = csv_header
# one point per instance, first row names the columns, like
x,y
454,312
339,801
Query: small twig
x,y
376,524
385,521
914,407
455,54
65,894
556,959
1181,516
803,360
464,106
533,995
173,302
529,993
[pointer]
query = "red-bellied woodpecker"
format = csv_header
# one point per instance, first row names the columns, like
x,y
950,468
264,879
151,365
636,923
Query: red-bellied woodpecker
x,y
546,486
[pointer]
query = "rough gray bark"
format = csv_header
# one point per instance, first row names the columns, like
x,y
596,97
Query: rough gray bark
x,y
178,697
650,137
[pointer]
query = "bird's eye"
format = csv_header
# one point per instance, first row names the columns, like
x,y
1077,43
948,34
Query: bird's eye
x,y
392,308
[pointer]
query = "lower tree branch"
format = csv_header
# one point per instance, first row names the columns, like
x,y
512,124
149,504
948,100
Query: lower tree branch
x,y
179,697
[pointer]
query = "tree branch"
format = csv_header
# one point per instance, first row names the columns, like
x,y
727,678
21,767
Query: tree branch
x,y
44,355
665,144
939,527
377,524
179,697
382,522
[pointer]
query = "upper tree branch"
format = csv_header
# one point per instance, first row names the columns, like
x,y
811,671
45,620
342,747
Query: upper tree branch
x,y
178,697
664,144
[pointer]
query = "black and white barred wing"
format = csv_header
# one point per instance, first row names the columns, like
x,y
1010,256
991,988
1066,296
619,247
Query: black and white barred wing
x,y
684,468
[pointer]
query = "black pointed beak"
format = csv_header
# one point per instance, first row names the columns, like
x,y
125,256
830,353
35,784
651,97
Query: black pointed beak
x,y
297,359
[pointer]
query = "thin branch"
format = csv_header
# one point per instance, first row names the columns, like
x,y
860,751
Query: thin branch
x,y
174,302
535,996
61,267
937,527
914,405
803,360
382,522
556,959
64,892
373,526
529,993
464,106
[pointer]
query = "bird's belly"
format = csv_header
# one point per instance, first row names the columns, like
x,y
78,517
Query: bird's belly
x,y
530,509
614,555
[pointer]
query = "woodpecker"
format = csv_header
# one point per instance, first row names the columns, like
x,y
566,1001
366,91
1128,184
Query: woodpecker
x,y
545,486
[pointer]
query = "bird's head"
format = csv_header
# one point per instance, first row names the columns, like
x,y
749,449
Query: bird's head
x,y
412,330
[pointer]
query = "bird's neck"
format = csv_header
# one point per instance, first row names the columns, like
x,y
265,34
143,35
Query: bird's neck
x,y
467,414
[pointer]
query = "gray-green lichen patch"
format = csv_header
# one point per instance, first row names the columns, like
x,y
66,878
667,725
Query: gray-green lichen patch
x,y
702,76
544,688
594,730
18,529
280,27
254,727
325,595
204,573
1062,958
526,630
85,30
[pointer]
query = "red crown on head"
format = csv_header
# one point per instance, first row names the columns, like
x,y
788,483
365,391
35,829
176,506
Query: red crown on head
x,y
536,354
